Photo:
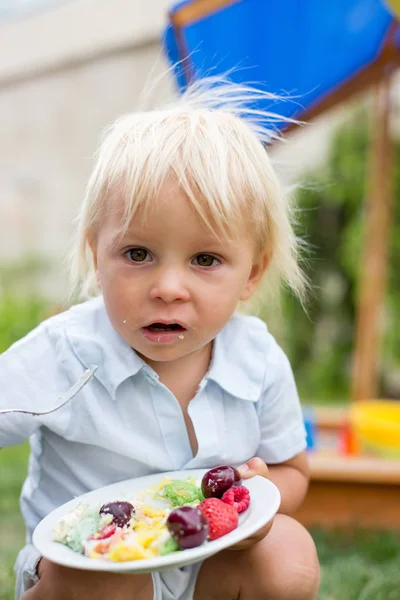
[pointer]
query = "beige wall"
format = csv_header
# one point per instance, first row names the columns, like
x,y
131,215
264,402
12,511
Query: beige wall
x,y
55,99
75,30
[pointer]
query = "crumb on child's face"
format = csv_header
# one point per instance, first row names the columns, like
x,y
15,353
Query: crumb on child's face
x,y
169,284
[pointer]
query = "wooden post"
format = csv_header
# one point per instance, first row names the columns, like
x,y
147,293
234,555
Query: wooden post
x,y
373,275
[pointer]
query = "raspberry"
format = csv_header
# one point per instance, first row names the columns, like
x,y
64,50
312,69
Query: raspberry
x,y
239,497
221,517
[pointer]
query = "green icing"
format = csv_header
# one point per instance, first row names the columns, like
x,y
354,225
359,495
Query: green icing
x,y
181,492
87,526
170,545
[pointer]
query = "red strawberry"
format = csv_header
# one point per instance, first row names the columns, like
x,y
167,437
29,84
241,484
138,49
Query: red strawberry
x,y
106,532
239,497
222,518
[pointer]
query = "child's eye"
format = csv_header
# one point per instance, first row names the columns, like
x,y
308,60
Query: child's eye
x,y
138,255
206,260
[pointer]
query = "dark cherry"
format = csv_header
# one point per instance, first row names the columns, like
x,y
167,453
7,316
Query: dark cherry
x,y
121,512
187,526
216,481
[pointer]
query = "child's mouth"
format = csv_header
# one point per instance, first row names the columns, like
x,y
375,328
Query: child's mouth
x,y
163,332
165,327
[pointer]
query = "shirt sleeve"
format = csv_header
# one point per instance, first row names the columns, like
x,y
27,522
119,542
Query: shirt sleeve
x,y
283,434
26,570
28,375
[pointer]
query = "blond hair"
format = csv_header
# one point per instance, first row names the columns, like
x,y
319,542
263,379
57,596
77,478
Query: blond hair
x,y
212,140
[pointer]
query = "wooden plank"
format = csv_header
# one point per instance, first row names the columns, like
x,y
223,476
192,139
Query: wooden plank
x,y
373,269
197,9
334,504
352,492
355,469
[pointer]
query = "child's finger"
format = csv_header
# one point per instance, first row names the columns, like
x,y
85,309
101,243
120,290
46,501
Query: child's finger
x,y
254,466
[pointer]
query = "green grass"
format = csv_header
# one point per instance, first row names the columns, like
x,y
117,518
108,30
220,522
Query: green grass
x,y
13,466
361,565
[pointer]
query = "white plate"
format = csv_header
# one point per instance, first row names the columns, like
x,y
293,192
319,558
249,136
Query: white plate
x,y
265,501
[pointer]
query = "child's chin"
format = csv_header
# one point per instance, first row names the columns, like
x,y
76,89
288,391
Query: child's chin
x,y
162,353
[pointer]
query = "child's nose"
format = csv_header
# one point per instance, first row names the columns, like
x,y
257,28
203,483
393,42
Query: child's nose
x,y
170,286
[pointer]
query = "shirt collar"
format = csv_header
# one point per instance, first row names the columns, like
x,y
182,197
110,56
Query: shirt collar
x,y
238,361
95,341
239,358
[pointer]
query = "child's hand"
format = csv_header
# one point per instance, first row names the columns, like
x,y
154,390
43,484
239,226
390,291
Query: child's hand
x,y
254,466
61,583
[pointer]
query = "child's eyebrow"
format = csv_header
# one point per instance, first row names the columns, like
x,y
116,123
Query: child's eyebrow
x,y
126,238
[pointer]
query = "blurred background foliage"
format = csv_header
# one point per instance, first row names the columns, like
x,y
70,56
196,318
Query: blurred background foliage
x,y
331,204
22,305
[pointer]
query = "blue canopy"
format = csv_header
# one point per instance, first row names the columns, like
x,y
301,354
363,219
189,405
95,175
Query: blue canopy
x,y
314,52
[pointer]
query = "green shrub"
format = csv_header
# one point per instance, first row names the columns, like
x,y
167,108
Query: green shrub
x,y
22,306
19,315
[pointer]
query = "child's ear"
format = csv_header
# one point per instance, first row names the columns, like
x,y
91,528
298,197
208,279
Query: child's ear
x,y
256,274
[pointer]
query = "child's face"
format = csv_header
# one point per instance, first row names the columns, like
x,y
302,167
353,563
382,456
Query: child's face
x,y
169,284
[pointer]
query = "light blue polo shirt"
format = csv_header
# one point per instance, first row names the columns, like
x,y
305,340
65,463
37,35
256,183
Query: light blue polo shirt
x,y
124,423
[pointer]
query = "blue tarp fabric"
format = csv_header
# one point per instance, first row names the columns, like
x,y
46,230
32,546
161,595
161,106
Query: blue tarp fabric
x,y
301,49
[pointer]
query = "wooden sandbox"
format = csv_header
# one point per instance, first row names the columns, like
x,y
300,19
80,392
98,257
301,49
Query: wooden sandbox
x,y
350,491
